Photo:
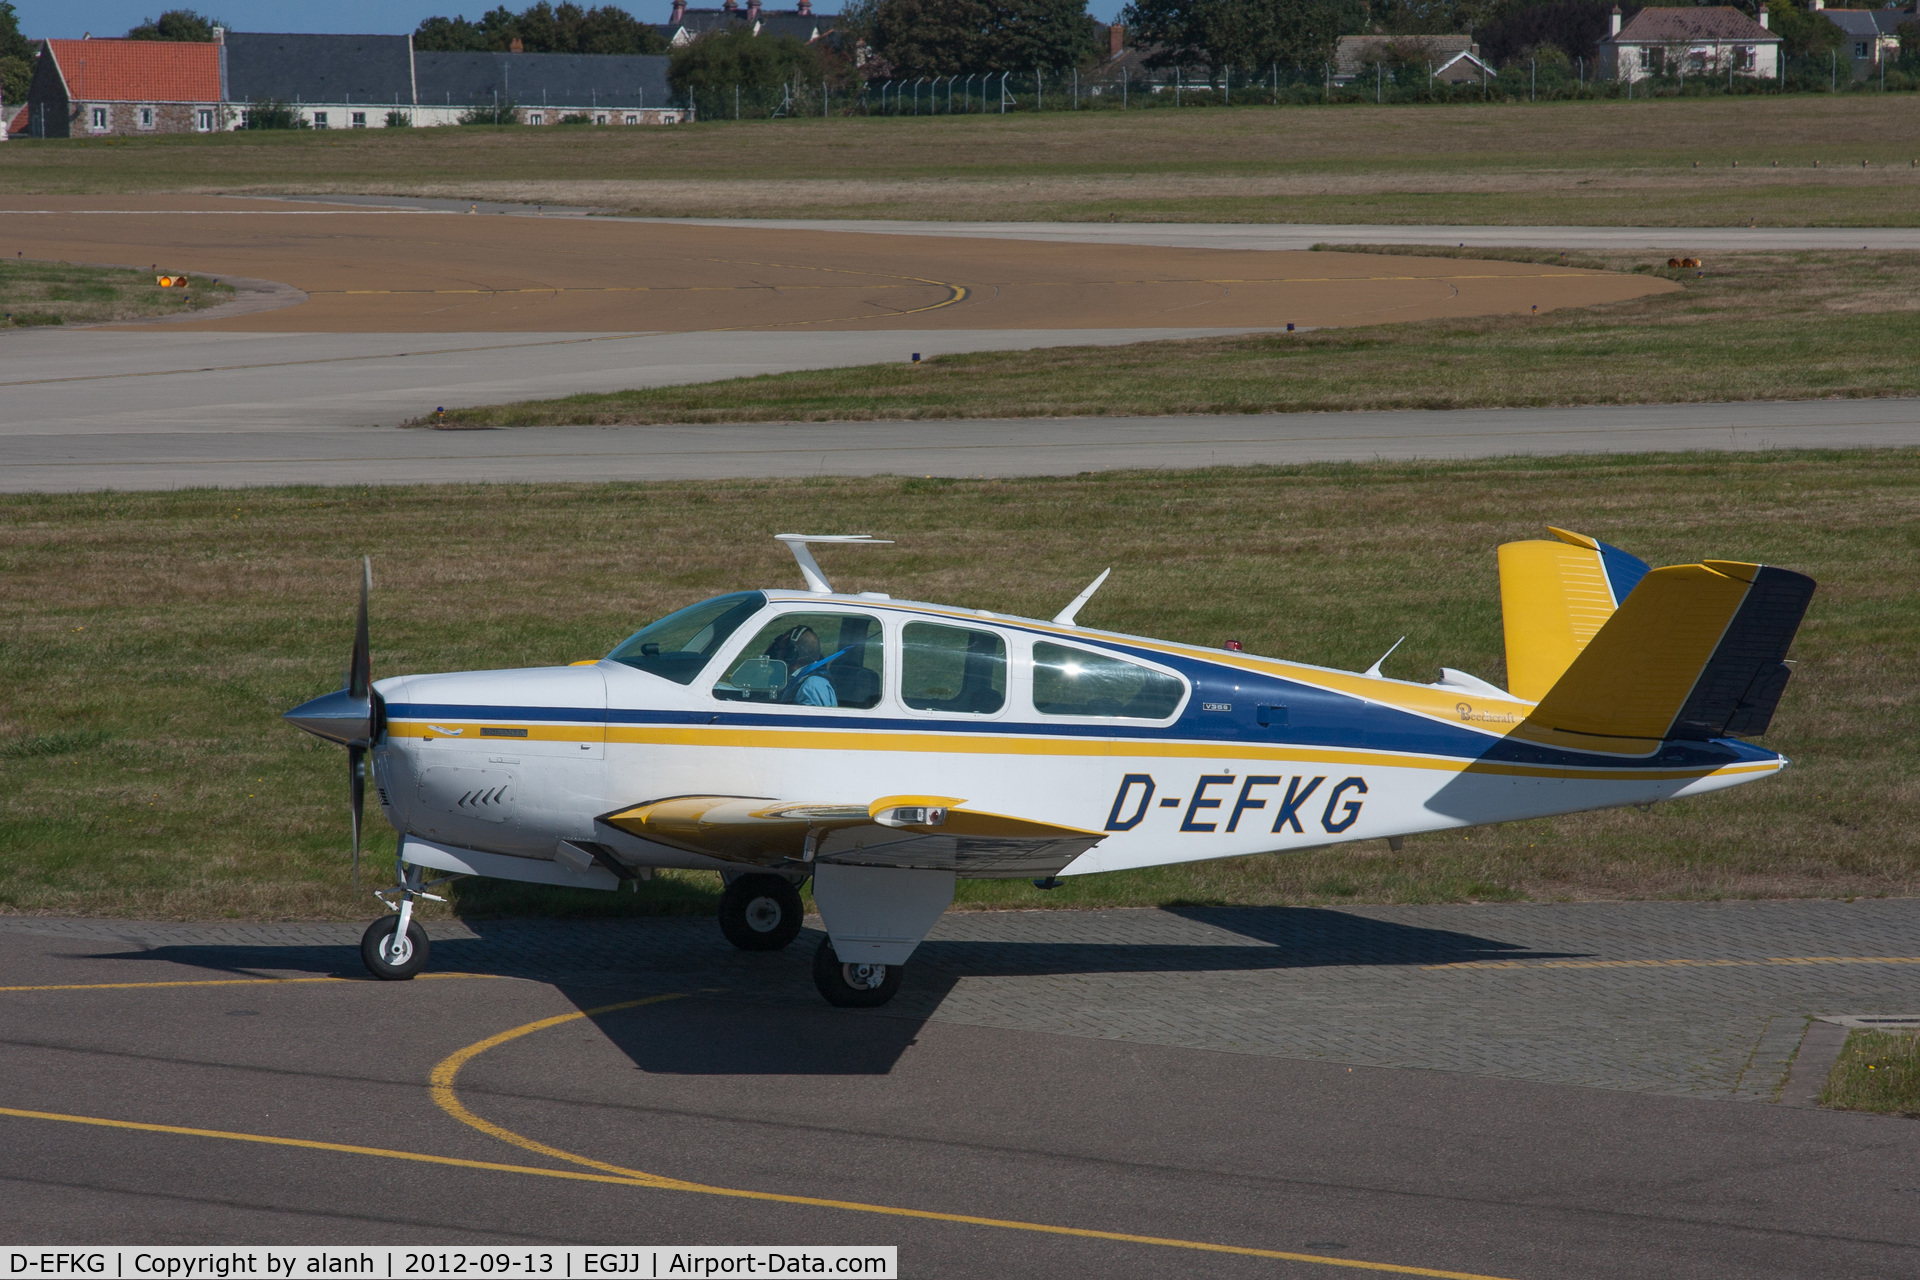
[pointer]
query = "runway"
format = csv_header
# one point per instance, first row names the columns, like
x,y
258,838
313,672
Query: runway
x,y
361,316
146,456
1486,1093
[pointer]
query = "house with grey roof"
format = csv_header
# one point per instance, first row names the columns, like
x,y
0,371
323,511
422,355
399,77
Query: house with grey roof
x,y
1871,36
544,87
1454,59
331,82
371,82
685,25
1695,41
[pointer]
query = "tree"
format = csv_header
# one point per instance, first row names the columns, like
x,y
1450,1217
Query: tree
x,y
720,60
1574,26
1251,34
932,37
942,37
177,24
16,57
542,28
1803,33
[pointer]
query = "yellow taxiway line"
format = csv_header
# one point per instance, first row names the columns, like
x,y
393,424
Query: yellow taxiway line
x,y
444,1074
1768,962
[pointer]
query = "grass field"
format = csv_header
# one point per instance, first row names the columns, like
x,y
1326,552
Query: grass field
x,y
1877,1071
151,640
1754,326
43,293
1597,163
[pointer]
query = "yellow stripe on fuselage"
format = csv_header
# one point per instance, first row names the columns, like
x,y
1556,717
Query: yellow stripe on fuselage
x,y
1015,745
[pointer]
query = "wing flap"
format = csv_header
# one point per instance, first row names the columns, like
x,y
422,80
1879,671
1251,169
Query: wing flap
x,y
894,831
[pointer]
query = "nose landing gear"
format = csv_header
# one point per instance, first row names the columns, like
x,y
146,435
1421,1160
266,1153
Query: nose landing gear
x,y
395,947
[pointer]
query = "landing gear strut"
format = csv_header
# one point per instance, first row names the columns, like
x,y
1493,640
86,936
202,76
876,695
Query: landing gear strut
x,y
854,986
395,947
761,912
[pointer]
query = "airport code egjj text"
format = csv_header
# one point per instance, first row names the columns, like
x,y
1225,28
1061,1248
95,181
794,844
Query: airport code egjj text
x,y
707,1262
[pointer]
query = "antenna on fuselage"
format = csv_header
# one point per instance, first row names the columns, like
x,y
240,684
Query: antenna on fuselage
x,y
1374,670
1064,618
809,568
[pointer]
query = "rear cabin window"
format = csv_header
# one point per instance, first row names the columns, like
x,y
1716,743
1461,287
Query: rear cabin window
x,y
1078,682
678,646
952,669
810,660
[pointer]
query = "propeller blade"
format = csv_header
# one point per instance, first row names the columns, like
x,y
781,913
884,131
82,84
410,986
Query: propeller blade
x,y
360,665
357,789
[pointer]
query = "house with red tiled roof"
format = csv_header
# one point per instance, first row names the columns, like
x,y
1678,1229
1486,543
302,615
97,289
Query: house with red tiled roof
x,y
102,88
1718,41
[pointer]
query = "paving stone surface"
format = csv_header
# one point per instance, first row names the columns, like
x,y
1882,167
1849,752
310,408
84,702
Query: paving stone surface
x,y
1702,1000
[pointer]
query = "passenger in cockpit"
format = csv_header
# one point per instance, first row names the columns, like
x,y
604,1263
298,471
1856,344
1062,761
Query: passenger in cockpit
x,y
806,686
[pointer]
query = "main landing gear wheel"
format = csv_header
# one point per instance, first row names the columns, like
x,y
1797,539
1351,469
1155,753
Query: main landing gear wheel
x,y
390,957
854,986
761,913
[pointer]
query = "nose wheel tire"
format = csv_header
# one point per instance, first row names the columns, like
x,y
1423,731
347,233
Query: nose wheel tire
x,y
854,986
761,913
393,958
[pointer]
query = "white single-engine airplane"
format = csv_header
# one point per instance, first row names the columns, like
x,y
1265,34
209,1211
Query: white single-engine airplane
x,y
885,748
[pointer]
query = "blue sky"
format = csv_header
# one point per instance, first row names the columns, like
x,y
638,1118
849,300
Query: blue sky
x,y
62,18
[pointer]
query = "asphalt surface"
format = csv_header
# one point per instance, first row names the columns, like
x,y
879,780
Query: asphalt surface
x,y
1042,1069
129,451
1667,241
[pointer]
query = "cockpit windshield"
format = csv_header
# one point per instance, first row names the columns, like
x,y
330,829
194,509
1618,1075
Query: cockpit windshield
x,y
678,646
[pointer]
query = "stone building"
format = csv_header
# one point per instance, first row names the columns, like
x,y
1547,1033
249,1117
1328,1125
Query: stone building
x,y
106,88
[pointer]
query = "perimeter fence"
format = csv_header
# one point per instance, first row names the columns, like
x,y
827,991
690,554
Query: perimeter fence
x,y
1176,88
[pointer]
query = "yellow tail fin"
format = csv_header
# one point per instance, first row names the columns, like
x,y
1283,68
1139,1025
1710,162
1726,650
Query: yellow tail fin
x,y
1554,597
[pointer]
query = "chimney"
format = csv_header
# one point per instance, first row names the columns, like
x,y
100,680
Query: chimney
x,y
732,6
753,12
679,13
806,8
1818,5
515,46
1764,16
1616,20
1116,40
219,35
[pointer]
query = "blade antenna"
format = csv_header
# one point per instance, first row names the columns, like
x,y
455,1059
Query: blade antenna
x,y
1065,618
809,567
1374,670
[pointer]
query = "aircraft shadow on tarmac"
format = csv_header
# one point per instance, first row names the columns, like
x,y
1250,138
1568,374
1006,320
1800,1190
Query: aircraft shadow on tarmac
x,y
764,1017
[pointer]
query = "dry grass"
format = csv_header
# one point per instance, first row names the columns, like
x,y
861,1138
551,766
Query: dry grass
x,y
1877,1071
1756,326
151,640
1575,163
43,293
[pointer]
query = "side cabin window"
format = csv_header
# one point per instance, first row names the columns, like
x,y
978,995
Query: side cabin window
x,y
1078,682
678,646
810,660
952,669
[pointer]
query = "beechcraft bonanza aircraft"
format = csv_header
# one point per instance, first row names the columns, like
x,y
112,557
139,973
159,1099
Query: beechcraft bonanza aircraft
x,y
884,747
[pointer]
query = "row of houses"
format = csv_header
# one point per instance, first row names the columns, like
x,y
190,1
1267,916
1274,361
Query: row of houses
x,y
103,88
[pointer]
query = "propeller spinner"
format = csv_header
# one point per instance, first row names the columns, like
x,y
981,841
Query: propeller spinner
x,y
352,715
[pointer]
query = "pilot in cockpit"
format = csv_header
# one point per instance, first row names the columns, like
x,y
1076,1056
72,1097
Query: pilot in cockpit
x,y
806,686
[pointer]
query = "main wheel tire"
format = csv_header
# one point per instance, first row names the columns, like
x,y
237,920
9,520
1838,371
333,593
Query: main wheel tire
x,y
761,913
854,986
394,959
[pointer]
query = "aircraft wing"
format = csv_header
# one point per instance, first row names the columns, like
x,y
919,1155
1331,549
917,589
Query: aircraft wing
x,y
929,832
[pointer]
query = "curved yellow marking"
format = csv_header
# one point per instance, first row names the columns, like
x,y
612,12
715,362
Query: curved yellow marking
x,y
310,1145
448,1069
1672,964
218,982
